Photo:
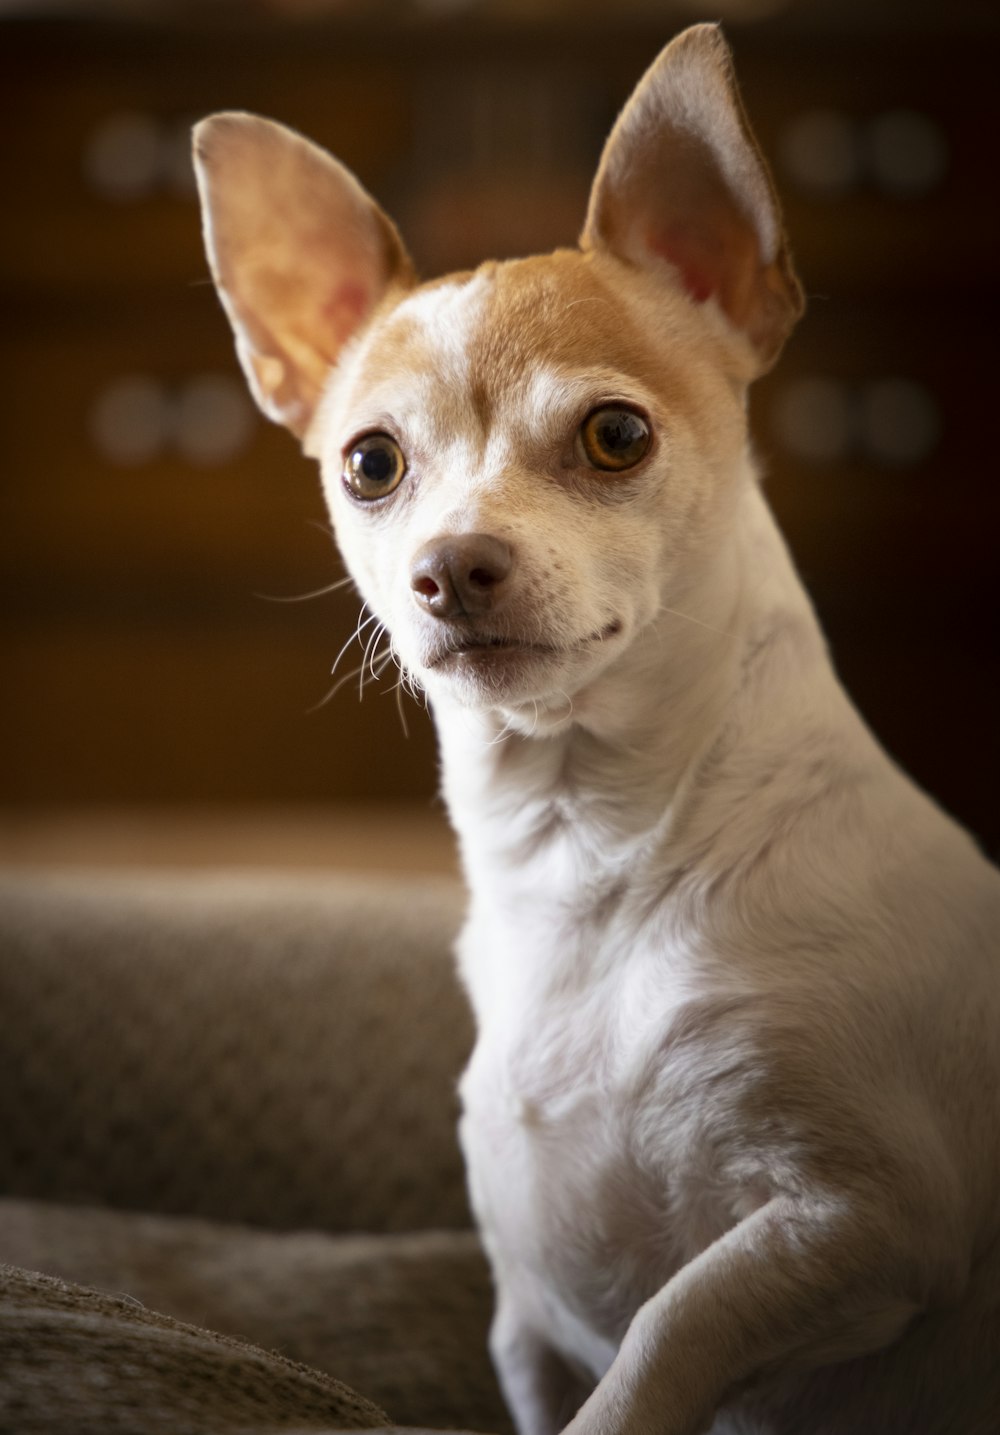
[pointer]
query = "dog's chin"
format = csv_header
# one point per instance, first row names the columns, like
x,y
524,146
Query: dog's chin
x,y
489,672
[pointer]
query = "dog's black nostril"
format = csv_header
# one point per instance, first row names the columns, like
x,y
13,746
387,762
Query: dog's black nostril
x,y
461,575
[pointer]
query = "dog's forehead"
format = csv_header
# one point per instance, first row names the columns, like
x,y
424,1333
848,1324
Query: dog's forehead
x,y
443,315
489,335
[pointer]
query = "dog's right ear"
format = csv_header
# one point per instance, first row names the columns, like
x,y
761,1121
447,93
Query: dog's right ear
x,y
299,252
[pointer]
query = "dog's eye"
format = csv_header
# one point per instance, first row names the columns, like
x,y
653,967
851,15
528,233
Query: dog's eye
x,y
375,466
614,439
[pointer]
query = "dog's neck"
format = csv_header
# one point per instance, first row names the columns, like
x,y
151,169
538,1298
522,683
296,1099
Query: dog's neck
x,y
598,780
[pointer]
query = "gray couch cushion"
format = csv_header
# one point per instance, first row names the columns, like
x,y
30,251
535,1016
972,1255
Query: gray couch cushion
x,y
82,1363
270,1049
402,1318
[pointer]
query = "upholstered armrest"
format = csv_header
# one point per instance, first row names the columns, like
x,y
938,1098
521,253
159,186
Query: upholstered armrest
x,y
274,1050
91,1364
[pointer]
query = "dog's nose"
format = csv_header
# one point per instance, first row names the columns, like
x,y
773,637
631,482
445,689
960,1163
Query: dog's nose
x,y
461,575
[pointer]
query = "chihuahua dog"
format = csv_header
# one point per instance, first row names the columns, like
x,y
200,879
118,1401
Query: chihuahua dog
x,y
732,1121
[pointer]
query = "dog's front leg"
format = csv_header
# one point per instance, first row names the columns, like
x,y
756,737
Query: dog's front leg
x,y
799,1283
542,1392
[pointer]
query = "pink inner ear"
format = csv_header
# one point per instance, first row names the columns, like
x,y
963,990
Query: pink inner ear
x,y
685,249
720,261
344,310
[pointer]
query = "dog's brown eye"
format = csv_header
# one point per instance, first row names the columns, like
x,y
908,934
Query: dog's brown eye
x,y
375,466
614,439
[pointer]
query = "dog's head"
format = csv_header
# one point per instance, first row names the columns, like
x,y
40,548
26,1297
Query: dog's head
x,y
527,463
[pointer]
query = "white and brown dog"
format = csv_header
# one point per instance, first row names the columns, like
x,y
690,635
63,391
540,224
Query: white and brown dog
x,y
732,1121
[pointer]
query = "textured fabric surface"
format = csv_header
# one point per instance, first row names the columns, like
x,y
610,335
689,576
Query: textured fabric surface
x,y
209,1086
81,1363
281,1051
402,1318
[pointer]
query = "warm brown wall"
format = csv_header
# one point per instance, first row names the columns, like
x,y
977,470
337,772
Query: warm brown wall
x,y
138,661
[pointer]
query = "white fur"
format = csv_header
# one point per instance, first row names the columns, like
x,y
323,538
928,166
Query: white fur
x,y
732,1121
696,884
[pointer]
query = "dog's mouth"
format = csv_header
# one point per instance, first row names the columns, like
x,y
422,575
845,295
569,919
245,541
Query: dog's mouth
x,y
488,650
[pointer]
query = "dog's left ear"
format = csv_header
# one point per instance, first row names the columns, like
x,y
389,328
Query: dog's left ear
x,y
300,253
682,180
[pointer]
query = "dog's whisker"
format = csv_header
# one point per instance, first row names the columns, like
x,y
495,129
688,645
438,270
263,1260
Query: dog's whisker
x,y
676,613
384,657
570,705
501,735
362,668
361,673
325,528
335,689
407,679
371,645
368,661
336,661
400,708
380,661
359,628
305,597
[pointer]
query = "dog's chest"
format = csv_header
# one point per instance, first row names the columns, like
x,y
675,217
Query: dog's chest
x,y
586,1157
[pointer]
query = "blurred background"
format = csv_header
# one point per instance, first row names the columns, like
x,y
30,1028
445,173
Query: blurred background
x,y
161,700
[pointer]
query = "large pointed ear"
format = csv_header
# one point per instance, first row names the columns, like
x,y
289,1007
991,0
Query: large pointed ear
x,y
300,254
682,180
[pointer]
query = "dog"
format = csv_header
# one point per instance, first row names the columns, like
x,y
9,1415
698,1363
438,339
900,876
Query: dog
x,y
732,1119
